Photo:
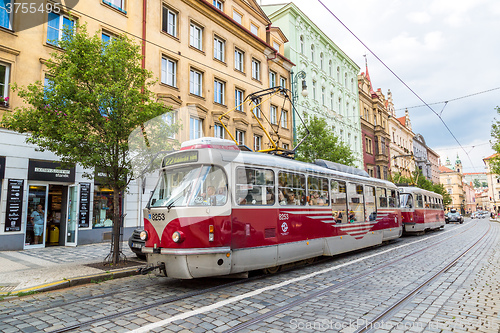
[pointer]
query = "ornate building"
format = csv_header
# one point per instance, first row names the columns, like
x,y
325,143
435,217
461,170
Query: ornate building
x,y
493,205
402,145
452,179
375,114
329,73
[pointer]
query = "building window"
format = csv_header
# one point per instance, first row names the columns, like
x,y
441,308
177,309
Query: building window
x,y
237,17
340,104
256,109
169,72
118,4
103,207
254,29
257,140
238,99
330,70
219,5
195,128
273,114
240,137
301,44
338,74
6,11
219,88
169,24
195,82
255,69
331,101
219,46
312,53
238,60
282,82
4,84
314,90
55,27
321,60
345,80
286,146
276,46
218,131
323,97
272,79
196,36
284,119
171,120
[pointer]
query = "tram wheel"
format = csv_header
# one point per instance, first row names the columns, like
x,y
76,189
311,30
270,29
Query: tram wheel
x,y
272,270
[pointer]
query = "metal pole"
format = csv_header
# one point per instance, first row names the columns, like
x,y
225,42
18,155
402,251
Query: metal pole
x,y
295,97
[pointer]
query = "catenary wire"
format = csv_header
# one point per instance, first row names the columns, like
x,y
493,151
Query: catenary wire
x,y
401,80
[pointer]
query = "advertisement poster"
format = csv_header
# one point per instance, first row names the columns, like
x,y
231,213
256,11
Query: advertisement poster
x,y
83,218
14,210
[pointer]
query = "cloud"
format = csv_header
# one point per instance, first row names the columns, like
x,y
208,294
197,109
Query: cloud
x,y
419,17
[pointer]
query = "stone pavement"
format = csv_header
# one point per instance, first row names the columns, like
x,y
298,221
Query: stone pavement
x,y
58,267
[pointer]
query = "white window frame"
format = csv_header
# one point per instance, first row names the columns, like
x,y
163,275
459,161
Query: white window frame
x,y
219,49
238,99
195,128
239,59
272,79
219,5
312,53
282,82
254,29
219,88
4,90
119,4
255,69
218,131
276,46
171,26
284,118
237,17
196,82
60,29
10,15
196,36
257,110
168,76
240,137
273,115
257,142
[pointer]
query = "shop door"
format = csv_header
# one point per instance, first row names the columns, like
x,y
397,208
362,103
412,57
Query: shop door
x,y
72,214
36,216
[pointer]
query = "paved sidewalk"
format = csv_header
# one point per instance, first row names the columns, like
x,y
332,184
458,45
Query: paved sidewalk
x,y
58,267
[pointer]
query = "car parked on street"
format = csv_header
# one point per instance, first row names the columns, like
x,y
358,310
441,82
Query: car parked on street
x,y
454,216
136,243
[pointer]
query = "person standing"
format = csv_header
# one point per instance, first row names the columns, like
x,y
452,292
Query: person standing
x,y
37,218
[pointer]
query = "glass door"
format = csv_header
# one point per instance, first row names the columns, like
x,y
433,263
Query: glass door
x,y
72,214
36,216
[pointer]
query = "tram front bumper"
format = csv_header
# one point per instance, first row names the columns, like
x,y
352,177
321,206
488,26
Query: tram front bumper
x,y
191,263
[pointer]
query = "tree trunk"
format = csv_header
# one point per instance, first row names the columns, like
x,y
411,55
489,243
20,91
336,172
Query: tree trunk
x,y
117,226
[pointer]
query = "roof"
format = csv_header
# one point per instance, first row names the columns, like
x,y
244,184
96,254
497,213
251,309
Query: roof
x,y
402,120
490,157
444,169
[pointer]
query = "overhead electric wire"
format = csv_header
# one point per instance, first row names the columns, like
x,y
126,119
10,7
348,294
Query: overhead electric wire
x,y
401,80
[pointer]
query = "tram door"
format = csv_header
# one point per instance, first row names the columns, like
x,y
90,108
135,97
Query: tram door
x,y
72,216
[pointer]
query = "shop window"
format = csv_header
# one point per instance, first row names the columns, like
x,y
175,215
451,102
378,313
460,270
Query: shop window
x,y
103,207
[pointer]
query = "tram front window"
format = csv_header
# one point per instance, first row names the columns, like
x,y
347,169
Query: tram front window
x,y
193,186
406,200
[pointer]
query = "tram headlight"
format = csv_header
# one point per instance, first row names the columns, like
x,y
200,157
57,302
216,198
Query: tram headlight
x,y
143,235
178,237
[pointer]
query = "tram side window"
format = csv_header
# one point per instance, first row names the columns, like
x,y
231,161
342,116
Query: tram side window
x,y
318,191
356,204
419,202
406,200
339,201
254,186
393,200
212,187
381,197
292,188
370,207
426,201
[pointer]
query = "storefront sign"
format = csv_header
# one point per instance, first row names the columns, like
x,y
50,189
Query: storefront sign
x,y
14,209
2,167
83,218
50,171
184,157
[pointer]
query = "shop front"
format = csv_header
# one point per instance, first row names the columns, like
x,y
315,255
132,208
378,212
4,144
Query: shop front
x,y
52,211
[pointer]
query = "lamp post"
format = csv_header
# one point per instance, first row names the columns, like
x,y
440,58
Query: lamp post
x,y
295,94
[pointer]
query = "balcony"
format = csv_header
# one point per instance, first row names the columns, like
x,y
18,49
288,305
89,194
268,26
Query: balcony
x,y
381,158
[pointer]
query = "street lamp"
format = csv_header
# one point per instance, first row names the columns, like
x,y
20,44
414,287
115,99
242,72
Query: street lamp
x,y
295,94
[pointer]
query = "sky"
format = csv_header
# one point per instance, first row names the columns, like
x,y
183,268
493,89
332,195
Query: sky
x,y
444,50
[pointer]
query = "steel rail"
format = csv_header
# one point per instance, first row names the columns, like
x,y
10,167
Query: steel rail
x,y
336,286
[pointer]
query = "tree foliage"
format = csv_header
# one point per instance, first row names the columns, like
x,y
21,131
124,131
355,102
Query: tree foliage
x,y
420,181
97,93
322,144
495,134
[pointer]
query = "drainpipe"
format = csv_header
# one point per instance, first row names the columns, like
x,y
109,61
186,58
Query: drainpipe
x,y
144,8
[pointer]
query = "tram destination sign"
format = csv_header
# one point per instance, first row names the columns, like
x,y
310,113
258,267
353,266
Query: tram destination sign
x,y
50,171
15,189
184,157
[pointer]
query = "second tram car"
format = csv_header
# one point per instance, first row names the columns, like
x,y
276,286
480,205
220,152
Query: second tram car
x,y
422,210
217,211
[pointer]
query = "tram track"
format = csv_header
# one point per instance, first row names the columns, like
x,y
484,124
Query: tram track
x,y
346,283
184,296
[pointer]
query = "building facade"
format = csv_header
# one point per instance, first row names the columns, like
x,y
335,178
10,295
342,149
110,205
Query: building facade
x,y
329,73
375,112
402,145
452,179
207,56
421,157
492,203
433,158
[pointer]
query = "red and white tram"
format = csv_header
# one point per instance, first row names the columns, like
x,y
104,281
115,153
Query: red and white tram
x,y
421,209
217,210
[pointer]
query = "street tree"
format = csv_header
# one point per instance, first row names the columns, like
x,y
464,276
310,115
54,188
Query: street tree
x,y
322,143
495,134
418,180
96,93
